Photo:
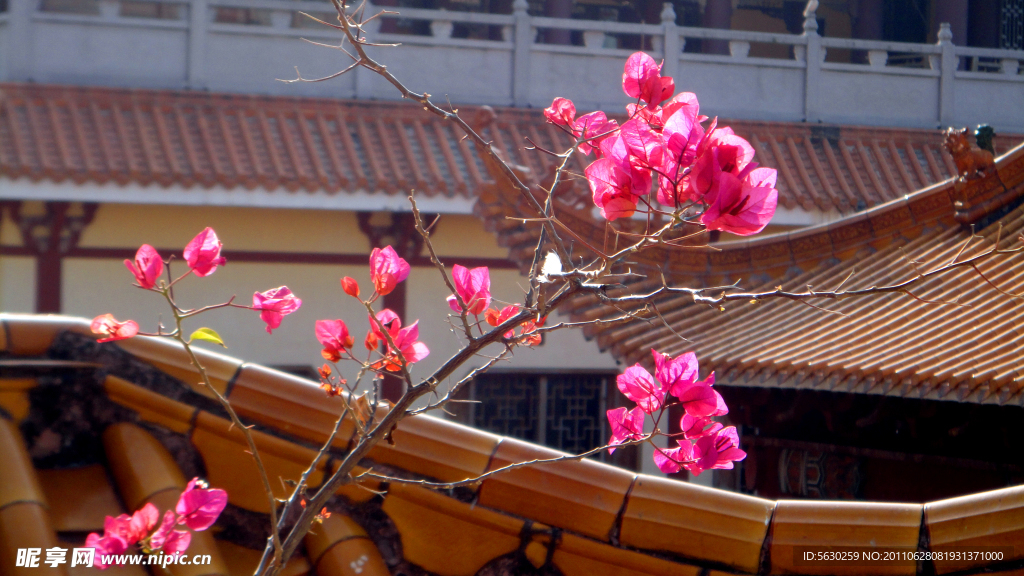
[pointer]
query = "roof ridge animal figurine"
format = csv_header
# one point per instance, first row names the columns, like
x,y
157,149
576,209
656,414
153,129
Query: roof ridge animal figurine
x,y
971,161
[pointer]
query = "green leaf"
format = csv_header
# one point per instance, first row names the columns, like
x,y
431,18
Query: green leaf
x,y
209,335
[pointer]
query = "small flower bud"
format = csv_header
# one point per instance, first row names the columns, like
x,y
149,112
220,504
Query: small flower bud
x,y
371,341
350,286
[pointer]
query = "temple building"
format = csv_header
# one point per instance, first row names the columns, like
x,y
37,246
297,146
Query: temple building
x,y
888,421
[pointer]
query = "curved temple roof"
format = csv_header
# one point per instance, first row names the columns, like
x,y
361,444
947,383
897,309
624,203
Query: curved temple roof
x,y
101,135
965,346
584,517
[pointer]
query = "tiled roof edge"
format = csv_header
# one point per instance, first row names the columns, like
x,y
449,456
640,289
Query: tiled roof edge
x,y
854,523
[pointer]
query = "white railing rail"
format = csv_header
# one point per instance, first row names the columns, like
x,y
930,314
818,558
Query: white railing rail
x,y
517,67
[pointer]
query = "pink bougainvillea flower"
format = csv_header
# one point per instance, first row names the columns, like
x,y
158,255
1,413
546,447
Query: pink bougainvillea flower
x,y
177,541
634,151
107,325
275,304
717,450
673,373
120,527
672,460
334,337
199,506
721,151
639,386
167,539
387,269
625,425
385,319
682,133
642,79
742,207
697,426
562,112
685,102
593,128
612,187
473,286
105,546
623,174
646,148
405,341
679,377
147,266
203,253
142,522
700,399
121,532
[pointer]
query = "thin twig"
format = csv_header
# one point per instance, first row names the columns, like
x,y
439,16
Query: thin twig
x,y
463,305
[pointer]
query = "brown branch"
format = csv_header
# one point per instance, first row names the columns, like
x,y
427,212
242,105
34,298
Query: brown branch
x,y
417,218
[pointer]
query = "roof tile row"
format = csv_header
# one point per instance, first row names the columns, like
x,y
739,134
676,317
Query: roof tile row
x,y
198,139
190,139
693,526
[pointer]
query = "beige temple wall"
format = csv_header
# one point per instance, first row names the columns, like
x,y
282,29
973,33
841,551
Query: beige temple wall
x,y
17,284
93,286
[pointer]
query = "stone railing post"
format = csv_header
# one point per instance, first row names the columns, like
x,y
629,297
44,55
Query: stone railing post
x,y
19,41
110,9
198,23
522,44
948,62
671,42
813,56
441,28
281,19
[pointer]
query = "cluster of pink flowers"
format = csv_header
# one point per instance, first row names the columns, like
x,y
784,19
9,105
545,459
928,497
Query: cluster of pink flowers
x,y
401,343
197,508
387,270
705,444
697,171
202,254
666,147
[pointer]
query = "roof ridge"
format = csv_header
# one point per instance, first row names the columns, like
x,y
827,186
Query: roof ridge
x,y
925,205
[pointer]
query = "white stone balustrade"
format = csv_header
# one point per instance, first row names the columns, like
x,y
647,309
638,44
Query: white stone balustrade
x,y
878,58
739,48
442,28
197,52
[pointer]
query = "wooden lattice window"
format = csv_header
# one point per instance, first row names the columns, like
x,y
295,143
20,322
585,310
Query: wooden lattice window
x,y
566,411
1011,30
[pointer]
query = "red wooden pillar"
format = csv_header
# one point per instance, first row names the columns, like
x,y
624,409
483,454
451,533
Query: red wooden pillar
x,y
717,14
955,12
558,9
867,25
50,236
